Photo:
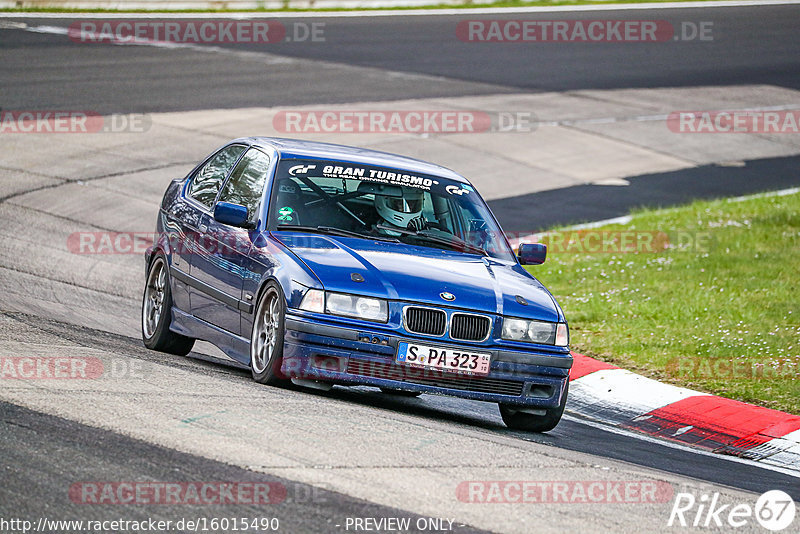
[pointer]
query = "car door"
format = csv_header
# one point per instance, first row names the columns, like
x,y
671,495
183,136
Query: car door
x,y
184,216
221,260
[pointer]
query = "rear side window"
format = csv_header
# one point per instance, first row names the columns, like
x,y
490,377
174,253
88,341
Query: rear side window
x,y
246,184
209,178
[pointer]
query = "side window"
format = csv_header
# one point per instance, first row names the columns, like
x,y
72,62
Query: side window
x,y
208,180
246,183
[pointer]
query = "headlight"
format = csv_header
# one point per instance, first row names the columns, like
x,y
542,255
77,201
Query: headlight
x,y
515,329
535,332
366,308
540,332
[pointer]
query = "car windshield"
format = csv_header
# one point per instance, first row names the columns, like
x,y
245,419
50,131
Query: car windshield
x,y
358,200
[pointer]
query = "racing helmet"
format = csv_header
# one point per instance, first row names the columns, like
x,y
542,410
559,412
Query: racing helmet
x,y
404,211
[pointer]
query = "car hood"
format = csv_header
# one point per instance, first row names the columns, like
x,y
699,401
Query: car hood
x,y
419,274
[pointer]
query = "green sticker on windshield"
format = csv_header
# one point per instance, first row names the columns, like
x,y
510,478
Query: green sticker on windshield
x,y
285,213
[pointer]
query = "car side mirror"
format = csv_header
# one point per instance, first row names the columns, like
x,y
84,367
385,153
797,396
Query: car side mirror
x,y
532,253
231,214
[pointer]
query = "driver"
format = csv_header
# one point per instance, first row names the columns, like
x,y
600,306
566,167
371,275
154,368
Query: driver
x,y
403,212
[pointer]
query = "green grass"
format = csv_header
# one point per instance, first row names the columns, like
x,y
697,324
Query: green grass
x,y
720,315
464,5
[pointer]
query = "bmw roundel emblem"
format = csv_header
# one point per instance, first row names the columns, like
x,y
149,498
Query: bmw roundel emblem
x,y
447,296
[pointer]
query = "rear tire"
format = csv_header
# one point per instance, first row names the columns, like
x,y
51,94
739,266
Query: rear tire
x,y
266,340
517,420
157,312
401,393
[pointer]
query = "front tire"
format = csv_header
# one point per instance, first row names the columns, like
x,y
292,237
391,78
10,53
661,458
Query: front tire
x,y
266,340
157,312
517,420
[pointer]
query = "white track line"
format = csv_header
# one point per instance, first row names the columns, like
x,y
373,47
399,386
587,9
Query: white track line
x,y
620,395
466,12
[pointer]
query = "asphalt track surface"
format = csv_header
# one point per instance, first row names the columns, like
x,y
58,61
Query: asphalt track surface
x,y
588,202
750,46
43,71
61,452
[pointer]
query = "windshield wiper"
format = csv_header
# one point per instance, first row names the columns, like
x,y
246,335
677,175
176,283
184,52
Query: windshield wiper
x,y
330,230
456,242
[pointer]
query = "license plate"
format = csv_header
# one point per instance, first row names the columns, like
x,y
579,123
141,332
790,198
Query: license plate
x,y
445,359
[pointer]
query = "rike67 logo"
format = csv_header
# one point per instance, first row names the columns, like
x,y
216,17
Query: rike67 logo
x,y
773,510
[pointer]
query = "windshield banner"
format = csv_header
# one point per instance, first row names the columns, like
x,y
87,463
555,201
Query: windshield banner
x,y
366,173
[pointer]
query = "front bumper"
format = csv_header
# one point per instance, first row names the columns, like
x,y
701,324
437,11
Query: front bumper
x,y
366,356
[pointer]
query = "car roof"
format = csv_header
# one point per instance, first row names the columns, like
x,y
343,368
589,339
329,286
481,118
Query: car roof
x,y
300,149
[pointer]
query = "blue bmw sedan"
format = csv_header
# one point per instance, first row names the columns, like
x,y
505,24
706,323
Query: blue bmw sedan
x,y
329,265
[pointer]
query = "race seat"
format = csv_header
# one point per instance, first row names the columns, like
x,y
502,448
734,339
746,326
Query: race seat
x,y
288,203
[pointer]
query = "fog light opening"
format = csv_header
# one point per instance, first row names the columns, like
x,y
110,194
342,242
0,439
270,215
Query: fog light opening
x,y
327,363
540,392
